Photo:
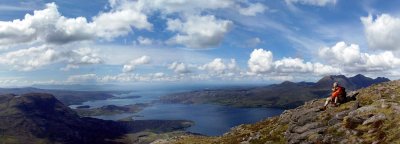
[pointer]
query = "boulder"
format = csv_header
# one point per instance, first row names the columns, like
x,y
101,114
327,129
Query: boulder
x,y
375,118
362,110
352,121
307,127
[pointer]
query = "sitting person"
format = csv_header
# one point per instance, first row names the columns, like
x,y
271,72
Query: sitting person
x,y
338,94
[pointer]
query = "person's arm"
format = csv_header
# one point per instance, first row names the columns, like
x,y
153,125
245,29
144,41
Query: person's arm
x,y
336,92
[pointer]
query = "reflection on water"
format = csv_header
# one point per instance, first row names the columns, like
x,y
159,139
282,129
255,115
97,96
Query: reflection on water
x,y
209,119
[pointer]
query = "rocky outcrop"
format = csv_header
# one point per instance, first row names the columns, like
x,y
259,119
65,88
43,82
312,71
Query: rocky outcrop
x,y
35,116
305,122
41,118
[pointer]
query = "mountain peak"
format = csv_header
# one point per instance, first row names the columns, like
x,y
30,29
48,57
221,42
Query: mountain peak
x,y
36,116
360,76
287,83
41,118
326,82
356,82
362,81
381,79
335,78
40,104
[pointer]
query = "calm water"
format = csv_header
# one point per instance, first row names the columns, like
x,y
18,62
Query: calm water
x,y
209,119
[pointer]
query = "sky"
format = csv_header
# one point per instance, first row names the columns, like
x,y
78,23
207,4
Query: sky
x,y
191,41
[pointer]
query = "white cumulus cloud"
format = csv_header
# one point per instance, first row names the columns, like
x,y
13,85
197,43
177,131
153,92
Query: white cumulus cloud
x,y
44,25
193,28
31,58
129,67
261,62
49,26
144,41
198,31
179,67
383,32
341,53
81,56
37,57
351,59
253,9
218,66
123,16
297,66
289,65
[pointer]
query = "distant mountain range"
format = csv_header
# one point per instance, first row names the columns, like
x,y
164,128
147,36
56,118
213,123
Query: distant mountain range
x,y
284,95
351,83
78,87
41,118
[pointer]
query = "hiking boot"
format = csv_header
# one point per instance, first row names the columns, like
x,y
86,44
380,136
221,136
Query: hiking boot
x,y
322,108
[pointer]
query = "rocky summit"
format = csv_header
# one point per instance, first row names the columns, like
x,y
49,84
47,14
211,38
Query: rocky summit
x,y
372,117
41,118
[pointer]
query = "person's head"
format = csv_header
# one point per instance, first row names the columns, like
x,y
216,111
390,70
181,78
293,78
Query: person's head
x,y
335,84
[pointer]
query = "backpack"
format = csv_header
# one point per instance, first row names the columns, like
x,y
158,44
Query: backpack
x,y
343,95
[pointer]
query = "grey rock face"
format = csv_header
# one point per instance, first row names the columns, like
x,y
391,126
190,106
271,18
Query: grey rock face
x,y
375,118
305,125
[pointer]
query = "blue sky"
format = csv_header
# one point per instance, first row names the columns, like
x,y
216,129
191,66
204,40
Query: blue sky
x,y
225,41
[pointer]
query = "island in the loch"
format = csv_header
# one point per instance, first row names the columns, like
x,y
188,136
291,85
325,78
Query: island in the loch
x,y
111,110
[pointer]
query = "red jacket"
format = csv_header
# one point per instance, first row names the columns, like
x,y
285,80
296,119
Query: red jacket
x,y
337,92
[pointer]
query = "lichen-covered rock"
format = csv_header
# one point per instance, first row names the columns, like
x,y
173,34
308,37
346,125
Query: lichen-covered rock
x,y
363,110
352,121
307,127
375,118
